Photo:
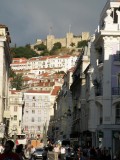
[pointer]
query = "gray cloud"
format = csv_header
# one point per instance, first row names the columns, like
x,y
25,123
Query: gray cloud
x,y
28,20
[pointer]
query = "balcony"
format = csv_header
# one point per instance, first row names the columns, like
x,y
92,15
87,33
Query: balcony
x,y
116,91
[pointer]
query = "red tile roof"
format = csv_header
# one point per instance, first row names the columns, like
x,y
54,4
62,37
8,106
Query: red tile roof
x,y
55,90
35,91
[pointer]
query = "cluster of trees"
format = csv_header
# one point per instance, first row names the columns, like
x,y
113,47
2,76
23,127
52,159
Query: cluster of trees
x,y
82,44
43,48
16,80
27,52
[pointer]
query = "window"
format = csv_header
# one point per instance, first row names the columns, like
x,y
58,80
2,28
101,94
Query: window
x,y
38,128
32,120
26,128
15,108
15,118
33,97
33,111
119,80
118,113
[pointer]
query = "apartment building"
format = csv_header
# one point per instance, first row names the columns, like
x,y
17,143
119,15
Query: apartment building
x,y
16,109
104,72
37,112
59,63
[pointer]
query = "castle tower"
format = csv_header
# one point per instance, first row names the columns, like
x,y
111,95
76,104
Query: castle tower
x,y
50,41
69,39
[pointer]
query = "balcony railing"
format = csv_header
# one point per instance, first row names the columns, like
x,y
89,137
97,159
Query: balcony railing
x,y
116,91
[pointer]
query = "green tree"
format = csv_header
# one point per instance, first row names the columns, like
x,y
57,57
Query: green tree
x,y
56,46
26,52
82,44
11,73
17,81
40,47
45,53
72,44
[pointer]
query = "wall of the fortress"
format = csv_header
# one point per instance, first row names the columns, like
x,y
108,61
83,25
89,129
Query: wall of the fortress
x,y
61,40
65,42
85,36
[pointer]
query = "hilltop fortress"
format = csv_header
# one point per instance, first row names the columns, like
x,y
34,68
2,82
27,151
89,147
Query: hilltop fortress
x,y
65,42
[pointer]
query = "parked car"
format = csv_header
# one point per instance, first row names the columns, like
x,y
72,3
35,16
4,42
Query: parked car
x,y
37,154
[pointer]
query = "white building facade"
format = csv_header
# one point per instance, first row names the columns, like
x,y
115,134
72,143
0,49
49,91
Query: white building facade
x,y
62,63
5,60
104,95
16,106
36,113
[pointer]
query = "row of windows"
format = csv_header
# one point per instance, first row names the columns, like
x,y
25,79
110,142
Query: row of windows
x,y
32,128
37,97
33,119
41,106
39,111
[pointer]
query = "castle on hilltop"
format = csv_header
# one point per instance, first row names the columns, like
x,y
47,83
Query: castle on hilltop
x,y
65,42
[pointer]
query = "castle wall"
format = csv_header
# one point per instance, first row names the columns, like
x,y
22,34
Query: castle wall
x,y
61,40
65,42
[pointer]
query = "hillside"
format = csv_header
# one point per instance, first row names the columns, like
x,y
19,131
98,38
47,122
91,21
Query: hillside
x,y
41,50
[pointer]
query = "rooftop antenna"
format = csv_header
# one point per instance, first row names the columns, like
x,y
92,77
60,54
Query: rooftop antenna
x,y
50,30
69,28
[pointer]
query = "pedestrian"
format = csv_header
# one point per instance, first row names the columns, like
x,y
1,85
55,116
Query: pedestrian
x,y
27,152
32,150
8,152
56,152
1,148
62,152
68,154
78,152
20,152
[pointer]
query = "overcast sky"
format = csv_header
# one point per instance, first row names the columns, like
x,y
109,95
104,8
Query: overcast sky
x,y
28,20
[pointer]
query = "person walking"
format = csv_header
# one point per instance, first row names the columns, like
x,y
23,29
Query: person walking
x,y
56,152
20,152
1,148
8,152
62,152
68,154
